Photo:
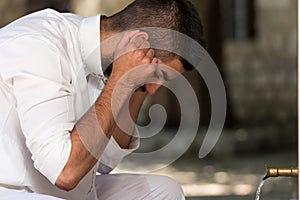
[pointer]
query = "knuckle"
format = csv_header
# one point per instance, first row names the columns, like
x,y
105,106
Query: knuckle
x,y
146,60
139,53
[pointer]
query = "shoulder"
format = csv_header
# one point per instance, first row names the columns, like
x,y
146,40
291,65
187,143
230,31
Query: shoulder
x,y
48,24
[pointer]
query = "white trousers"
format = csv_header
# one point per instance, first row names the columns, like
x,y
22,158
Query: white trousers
x,y
119,187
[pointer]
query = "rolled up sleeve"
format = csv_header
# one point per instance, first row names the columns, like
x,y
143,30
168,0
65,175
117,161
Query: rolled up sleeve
x,y
44,103
114,154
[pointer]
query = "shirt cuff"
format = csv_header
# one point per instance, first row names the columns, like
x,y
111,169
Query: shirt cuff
x,y
113,153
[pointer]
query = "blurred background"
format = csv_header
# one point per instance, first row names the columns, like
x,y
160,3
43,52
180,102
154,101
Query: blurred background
x,y
254,44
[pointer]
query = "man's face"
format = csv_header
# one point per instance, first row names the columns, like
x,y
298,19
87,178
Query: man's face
x,y
174,67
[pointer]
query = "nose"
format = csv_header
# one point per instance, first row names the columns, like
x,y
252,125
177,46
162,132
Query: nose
x,y
152,88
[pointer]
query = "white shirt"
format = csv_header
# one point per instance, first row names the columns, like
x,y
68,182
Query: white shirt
x,y
46,62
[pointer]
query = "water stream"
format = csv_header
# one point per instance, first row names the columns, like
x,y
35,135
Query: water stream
x,y
259,189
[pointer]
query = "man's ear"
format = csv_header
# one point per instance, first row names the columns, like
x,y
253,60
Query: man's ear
x,y
141,40
141,34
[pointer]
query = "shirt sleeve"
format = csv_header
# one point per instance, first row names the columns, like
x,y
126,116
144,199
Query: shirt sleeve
x,y
44,102
114,154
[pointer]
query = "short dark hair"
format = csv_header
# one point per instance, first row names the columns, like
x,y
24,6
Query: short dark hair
x,y
177,15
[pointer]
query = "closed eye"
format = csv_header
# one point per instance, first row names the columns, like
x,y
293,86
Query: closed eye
x,y
165,75
162,74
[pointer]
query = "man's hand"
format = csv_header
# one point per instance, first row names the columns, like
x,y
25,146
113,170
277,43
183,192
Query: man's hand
x,y
135,63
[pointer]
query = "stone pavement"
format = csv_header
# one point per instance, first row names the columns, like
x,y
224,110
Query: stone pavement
x,y
228,177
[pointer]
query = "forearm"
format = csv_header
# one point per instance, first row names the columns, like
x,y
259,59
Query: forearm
x,y
90,136
123,137
80,162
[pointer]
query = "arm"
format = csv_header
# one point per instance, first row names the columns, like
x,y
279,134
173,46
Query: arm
x,y
81,161
135,105
125,135
44,106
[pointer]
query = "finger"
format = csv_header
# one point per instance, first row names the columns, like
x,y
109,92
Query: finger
x,y
143,49
150,54
155,61
148,58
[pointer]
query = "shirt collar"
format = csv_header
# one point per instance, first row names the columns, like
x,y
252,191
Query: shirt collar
x,y
89,38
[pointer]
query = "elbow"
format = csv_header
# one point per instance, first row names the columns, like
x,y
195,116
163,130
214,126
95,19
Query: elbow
x,y
66,182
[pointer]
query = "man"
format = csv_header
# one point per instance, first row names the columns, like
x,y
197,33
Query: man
x,y
56,131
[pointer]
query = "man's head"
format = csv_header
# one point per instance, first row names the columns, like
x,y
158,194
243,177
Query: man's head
x,y
177,15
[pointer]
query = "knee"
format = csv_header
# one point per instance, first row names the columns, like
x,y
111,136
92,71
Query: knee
x,y
169,188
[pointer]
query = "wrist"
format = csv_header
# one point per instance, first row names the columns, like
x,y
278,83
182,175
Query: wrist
x,y
121,83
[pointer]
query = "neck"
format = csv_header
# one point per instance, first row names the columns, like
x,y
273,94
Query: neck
x,y
105,28
109,39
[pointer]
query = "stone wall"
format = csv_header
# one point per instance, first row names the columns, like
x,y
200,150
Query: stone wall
x,y
262,73
93,7
11,10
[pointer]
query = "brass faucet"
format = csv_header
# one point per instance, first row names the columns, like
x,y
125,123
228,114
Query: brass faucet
x,y
275,172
